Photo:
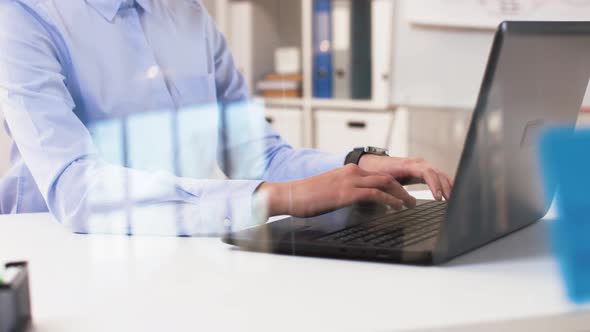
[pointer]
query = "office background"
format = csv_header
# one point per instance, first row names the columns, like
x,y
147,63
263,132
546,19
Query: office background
x,y
426,74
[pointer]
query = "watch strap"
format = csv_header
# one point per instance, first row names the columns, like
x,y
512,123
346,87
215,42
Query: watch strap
x,y
354,157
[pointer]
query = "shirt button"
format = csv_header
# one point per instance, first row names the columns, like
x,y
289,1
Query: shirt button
x,y
227,222
153,71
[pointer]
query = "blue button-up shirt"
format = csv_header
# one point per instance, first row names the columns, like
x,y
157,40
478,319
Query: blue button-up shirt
x,y
113,107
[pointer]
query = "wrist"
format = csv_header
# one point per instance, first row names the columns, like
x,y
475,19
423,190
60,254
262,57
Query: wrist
x,y
368,161
275,194
360,156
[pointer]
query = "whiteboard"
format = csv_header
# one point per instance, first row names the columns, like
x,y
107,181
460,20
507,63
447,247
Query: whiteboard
x,y
487,14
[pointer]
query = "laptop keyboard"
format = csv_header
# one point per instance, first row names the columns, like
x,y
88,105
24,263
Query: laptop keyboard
x,y
397,230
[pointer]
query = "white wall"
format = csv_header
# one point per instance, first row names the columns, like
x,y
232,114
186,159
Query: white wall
x,y
438,67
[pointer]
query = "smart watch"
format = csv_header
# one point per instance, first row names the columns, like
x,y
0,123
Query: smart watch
x,y
355,155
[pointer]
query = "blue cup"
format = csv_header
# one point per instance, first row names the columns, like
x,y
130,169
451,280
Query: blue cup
x,y
565,161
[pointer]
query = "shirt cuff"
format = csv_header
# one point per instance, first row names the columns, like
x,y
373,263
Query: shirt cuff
x,y
223,206
335,160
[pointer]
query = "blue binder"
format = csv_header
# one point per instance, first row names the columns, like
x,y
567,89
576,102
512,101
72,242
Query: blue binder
x,y
361,77
322,52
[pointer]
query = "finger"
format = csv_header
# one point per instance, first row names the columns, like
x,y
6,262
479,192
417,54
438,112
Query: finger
x,y
451,181
388,184
446,185
400,192
447,178
369,195
431,178
375,181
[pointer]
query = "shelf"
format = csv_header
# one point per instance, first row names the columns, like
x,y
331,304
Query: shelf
x,y
282,102
337,104
425,107
348,104
285,23
359,105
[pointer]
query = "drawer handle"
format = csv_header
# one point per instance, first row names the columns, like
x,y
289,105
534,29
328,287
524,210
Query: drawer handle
x,y
269,119
357,125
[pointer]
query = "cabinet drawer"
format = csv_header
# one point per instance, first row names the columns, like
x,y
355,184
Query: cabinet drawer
x,y
288,122
340,131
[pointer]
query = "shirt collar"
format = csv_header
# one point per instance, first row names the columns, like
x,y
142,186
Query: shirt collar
x,y
109,8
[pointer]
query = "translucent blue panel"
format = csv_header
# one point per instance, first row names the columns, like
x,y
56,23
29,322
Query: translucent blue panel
x,y
107,136
150,144
565,157
110,186
150,147
245,139
198,137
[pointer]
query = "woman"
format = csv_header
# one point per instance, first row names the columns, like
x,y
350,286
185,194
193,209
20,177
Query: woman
x,y
68,66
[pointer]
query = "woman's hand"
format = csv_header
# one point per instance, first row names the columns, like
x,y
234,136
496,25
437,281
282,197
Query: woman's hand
x,y
334,190
409,171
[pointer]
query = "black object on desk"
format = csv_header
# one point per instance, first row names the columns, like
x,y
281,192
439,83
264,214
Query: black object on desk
x,y
15,304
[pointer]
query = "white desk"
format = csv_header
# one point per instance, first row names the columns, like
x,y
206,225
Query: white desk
x,y
114,283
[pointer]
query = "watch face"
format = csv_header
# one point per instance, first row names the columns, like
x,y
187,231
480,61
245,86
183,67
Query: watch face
x,y
374,150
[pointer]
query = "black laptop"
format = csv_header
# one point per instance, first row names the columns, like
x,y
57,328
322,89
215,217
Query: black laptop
x,y
536,76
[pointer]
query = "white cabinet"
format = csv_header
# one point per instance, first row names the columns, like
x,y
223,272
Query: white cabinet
x,y
341,131
288,122
254,30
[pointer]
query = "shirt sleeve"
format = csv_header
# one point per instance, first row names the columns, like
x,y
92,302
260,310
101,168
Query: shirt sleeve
x,y
249,147
81,190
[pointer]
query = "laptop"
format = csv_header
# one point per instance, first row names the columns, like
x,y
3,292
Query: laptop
x,y
537,75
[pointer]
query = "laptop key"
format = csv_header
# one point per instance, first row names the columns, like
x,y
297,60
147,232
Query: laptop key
x,y
394,229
